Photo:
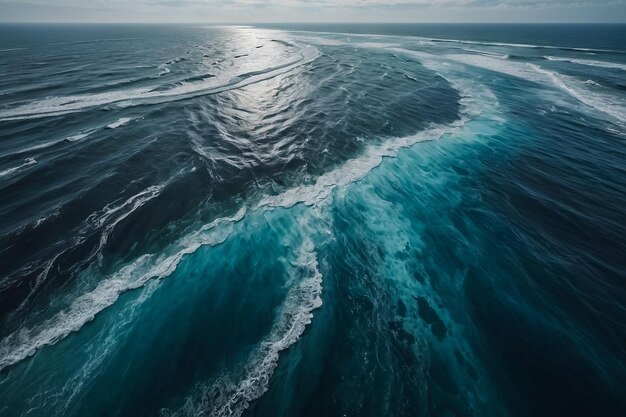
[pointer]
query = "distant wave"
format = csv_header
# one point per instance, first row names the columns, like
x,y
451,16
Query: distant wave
x,y
431,41
493,54
523,45
589,62
98,41
531,72
55,106
598,101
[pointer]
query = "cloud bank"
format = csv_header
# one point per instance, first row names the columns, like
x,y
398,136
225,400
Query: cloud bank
x,y
243,11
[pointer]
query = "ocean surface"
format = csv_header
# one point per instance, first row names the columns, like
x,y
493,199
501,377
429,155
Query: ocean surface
x,y
313,220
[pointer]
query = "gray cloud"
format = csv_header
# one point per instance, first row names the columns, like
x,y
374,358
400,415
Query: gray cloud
x,y
313,10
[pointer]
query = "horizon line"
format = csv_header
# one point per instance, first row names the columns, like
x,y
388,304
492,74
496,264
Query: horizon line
x,y
234,23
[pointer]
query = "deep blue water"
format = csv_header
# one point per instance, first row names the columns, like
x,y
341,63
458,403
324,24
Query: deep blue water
x,y
313,220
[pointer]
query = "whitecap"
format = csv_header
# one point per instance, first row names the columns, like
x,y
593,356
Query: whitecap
x,y
120,122
9,171
76,137
164,69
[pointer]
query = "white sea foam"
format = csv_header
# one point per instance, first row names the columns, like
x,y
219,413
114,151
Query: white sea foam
x,y
101,349
588,62
520,45
77,137
356,169
231,394
25,342
37,147
576,88
120,122
515,69
493,54
601,102
10,171
433,41
351,171
51,214
164,69
105,217
54,106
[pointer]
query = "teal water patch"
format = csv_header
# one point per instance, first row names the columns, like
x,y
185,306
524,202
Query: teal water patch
x,y
393,336
214,312
431,229
227,298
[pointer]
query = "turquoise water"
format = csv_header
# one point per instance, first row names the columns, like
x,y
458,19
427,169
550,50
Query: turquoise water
x,y
303,223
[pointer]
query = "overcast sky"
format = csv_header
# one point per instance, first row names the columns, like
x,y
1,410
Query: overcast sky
x,y
244,11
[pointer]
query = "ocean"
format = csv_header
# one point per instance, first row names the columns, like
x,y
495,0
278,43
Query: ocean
x,y
313,220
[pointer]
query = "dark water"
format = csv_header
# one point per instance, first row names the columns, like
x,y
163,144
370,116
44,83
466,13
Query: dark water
x,y
313,221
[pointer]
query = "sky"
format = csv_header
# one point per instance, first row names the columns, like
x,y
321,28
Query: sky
x,y
260,11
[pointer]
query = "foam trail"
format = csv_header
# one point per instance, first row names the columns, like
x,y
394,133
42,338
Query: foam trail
x,y
430,41
521,45
77,137
127,208
229,397
10,171
493,54
55,106
25,342
352,171
102,219
72,138
589,62
356,169
599,102
36,147
120,122
164,69
103,348
531,72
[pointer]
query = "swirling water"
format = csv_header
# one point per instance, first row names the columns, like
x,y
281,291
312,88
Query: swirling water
x,y
312,220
